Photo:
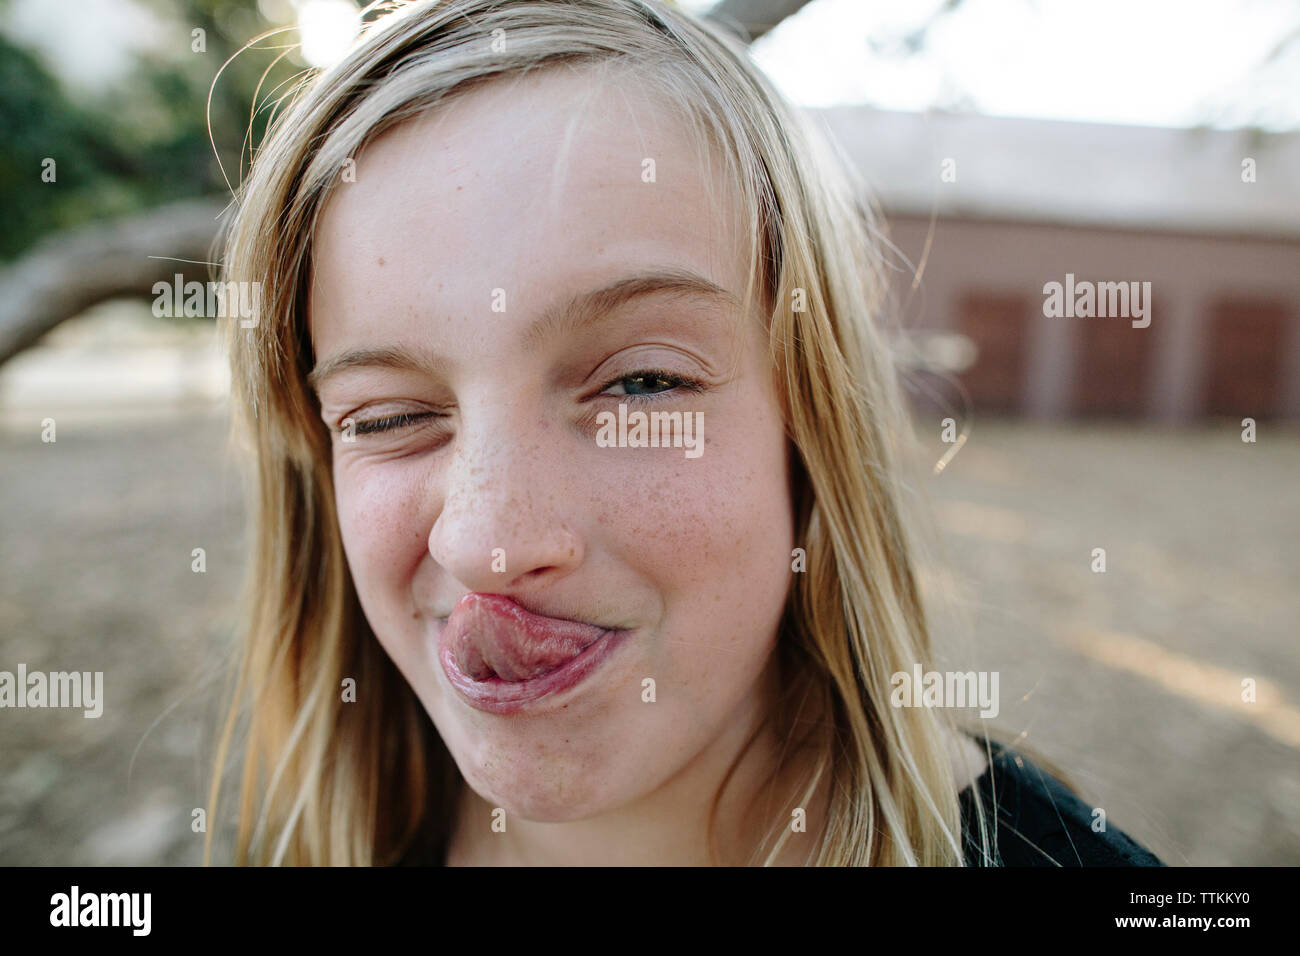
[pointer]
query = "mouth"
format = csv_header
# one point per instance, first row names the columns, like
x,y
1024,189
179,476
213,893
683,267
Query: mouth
x,y
501,657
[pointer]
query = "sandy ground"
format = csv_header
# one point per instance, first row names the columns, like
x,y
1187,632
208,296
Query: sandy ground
x,y
1129,678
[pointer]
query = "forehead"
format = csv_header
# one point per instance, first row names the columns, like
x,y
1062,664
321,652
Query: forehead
x,y
539,186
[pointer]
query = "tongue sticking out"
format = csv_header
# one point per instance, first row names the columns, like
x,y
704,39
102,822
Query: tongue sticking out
x,y
492,636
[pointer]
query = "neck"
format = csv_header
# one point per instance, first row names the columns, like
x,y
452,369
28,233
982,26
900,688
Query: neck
x,y
670,825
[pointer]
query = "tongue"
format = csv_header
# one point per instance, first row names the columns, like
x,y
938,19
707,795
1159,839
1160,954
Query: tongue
x,y
501,639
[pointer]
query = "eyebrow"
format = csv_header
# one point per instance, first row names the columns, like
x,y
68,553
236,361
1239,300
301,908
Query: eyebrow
x,y
580,312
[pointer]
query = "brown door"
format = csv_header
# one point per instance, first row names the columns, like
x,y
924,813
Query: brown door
x,y
1243,373
1112,361
998,324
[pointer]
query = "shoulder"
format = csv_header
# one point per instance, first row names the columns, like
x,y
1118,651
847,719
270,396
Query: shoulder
x,y
1039,821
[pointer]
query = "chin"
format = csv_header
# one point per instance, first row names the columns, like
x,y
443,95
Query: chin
x,y
547,797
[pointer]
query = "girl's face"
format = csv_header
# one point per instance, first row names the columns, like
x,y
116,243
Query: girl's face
x,y
494,280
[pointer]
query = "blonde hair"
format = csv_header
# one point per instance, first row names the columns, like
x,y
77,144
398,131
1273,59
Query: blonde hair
x,y
371,782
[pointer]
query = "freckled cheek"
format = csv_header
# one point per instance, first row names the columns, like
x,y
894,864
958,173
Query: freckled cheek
x,y
733,576
384,522
711,537
705,518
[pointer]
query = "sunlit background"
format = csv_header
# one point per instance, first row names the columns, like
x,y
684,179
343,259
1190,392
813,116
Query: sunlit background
x,y
1180,63
1008,143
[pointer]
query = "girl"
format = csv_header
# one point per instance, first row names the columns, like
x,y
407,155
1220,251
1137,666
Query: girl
x,y
580,532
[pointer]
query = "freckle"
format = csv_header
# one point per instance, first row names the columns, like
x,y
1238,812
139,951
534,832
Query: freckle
x,y
381,262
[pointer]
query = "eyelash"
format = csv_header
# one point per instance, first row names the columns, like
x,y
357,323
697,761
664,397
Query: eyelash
x,y
376,426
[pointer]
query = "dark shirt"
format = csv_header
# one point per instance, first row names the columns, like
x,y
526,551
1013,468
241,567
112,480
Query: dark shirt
x,y
1040,822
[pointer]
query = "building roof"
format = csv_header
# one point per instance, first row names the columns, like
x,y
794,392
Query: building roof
x,y
1182,180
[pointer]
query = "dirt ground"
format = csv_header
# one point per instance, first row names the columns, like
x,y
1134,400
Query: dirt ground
x,y
1131,679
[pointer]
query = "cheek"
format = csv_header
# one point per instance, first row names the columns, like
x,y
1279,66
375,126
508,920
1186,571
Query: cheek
x,y
706,518
381,516
712,536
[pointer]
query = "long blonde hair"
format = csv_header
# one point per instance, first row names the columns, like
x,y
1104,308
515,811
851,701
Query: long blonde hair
x,y
371,782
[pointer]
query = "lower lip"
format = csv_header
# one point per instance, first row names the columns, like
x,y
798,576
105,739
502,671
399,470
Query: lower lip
x,y
497,696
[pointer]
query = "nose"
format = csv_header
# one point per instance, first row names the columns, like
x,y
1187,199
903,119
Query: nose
x,y
506,518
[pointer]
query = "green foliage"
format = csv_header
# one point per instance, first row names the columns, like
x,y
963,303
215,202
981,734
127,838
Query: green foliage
x,y
144,139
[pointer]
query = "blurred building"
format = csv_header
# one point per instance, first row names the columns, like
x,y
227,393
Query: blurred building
x,y
995,209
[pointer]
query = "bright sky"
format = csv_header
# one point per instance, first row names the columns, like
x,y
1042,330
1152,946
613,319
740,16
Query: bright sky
x,y
1145,62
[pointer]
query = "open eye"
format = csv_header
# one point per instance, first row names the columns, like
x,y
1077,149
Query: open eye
x,y
647,383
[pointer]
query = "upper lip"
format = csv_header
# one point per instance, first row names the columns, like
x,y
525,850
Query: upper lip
x,y
530,607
